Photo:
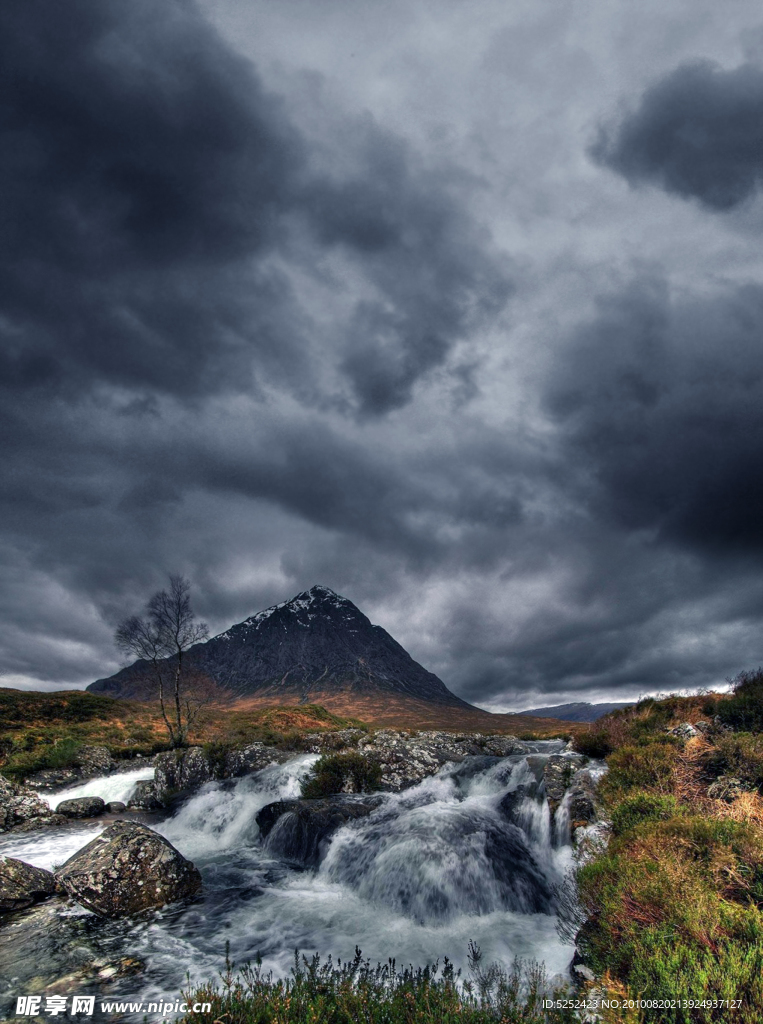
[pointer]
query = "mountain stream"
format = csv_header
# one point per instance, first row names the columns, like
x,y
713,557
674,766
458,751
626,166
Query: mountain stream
x,y
468,854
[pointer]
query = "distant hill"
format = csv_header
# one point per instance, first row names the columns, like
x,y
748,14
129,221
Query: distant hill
x,y
316,644
580,712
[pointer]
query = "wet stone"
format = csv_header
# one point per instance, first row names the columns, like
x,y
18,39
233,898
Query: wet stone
x,y
20,806
128,868
81,807
21,884
299,830
144,797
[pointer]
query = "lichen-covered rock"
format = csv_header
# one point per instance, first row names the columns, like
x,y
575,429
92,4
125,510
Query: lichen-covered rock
x,y
503,746
93,761
298,829
557,776
406,760
684,731
726,788
144,797
253,758
81,807
21,884
181,771
128,868
20,806
34,824
53,779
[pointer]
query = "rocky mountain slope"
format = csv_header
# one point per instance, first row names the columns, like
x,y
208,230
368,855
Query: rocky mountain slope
x,y
318,643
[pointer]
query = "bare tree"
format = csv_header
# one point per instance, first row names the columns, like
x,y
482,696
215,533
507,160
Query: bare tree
x,y
162,638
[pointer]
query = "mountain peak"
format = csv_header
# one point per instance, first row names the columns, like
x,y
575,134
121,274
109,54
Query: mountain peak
x,y
314,644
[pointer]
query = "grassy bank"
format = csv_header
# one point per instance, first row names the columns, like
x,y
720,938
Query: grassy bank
x,y
675,904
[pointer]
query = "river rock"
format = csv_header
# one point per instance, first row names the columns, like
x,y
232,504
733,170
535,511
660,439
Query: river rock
x,y
253,758
20,806
557,776
298,829
81,807
583,804
503,746
115,807
182,771
34,824
21,884
407,760
128,868
144,797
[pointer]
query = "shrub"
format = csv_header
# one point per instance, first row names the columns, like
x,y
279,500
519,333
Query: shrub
x,y
333,772
649,767
744,710
596,743
62,753
739,755
640,808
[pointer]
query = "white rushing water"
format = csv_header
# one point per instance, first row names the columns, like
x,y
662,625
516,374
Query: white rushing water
x,y
107,787
468,854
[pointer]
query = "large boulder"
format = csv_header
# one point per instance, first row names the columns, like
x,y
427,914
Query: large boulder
x,y
298,830
503,746
81,807
21,884
20,807
253,758
128,868
182,771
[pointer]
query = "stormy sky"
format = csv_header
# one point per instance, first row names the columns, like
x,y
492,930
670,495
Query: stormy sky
x,y
456,308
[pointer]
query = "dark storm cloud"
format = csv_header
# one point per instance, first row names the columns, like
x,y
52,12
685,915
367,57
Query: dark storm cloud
x,y
697,132
140,156
659,399
436,274
146,182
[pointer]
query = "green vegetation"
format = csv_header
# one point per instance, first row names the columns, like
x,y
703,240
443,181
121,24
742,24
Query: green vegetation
x,y
744,710
353,992
41,731
337,773
675,905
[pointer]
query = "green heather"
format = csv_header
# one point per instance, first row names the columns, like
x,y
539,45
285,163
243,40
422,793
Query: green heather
x,y
336,773
356,992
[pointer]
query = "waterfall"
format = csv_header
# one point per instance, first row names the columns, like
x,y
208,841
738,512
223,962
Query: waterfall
x,y
107,787
470,853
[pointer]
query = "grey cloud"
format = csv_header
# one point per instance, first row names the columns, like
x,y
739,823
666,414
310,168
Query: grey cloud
x,y
149,187
697,133
660,399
